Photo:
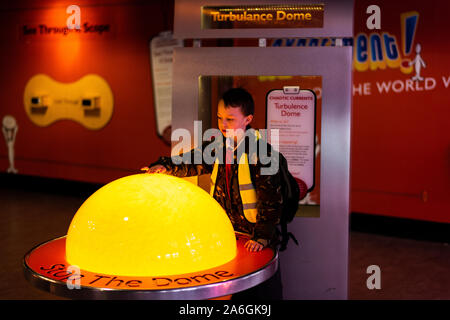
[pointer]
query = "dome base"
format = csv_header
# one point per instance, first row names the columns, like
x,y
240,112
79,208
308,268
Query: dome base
x,y
46,267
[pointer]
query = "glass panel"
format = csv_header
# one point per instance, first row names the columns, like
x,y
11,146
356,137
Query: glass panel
x,y
299,139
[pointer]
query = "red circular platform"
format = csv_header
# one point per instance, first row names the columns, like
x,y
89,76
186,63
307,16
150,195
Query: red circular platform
x,y
46,267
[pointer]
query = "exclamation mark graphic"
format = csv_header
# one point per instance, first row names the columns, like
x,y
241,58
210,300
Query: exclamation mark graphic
x,y
409,22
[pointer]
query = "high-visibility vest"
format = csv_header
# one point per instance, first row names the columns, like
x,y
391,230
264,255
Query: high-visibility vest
x,y
246,187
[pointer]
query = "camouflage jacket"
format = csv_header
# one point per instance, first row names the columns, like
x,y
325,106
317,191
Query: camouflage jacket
x,y
268,190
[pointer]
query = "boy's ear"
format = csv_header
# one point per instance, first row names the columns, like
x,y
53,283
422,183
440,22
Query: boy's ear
x,y
249,119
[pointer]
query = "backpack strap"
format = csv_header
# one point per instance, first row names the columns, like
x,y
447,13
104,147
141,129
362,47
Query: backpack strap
x,y
285,236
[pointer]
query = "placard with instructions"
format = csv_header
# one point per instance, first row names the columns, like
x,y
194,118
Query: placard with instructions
x,y
292,111
161,49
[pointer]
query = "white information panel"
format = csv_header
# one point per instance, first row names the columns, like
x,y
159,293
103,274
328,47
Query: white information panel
x,y
291,110
161,48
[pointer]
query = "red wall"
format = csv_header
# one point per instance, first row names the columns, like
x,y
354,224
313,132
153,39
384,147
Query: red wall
x,y
401,140
66,149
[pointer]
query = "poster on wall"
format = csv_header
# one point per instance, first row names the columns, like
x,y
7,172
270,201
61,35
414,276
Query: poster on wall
x,y
291,110
161,50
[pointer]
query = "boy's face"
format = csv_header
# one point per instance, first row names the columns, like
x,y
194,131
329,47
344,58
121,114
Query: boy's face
x,y
231,118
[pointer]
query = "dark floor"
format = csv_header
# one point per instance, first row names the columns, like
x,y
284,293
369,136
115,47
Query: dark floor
x,y
33,212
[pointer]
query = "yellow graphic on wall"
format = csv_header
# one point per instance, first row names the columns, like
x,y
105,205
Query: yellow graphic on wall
x,y
378,51
88,101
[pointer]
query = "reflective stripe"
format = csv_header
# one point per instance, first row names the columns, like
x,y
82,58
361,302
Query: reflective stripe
x,y
248,186
247,206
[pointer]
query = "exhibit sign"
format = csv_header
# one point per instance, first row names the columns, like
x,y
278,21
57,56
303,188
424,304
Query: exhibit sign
x,y
262,16
292,111
53,30
161,49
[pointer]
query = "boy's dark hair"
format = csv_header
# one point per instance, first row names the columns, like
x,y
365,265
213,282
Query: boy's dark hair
x,y
239,97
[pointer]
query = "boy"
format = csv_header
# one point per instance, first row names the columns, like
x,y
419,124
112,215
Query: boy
x,y
251,199
235,113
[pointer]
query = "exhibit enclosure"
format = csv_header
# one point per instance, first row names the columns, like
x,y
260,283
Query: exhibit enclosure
x,y
318,79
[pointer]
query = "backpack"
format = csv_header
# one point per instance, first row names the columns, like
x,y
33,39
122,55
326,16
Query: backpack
x,y
292,190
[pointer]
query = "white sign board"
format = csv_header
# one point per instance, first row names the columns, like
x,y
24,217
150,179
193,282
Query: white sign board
x,y
292,111
161,49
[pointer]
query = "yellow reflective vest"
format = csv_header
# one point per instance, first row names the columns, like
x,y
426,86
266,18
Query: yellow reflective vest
x,y
246,187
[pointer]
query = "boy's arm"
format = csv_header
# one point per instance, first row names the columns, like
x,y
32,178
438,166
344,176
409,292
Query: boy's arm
x,y
185,169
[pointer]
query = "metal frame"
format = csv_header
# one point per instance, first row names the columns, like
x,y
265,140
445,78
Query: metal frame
x,y
206,291
320,265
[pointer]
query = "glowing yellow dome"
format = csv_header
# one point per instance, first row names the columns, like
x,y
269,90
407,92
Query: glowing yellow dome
x,y
150,225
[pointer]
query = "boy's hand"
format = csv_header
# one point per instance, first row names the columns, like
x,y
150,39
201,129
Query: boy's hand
x,y
155,169
255,246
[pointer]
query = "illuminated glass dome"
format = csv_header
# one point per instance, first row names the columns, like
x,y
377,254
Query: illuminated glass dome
x,y
150,225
